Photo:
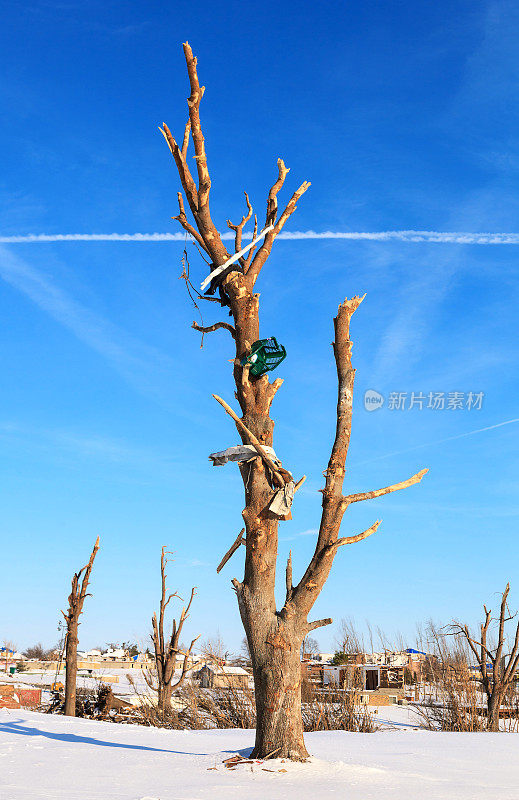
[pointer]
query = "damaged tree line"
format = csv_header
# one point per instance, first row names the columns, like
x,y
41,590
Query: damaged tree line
x,y
274,635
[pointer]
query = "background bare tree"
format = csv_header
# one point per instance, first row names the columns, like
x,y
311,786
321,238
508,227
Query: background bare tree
x,y
213,649
38,652
274,636
75,609
168,648
496,666
309,647
348,642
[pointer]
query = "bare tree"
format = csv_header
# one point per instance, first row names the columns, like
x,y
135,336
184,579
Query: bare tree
x,y
348,641
75,609
38,652
309,646
497,667
167,649
213,649
274,636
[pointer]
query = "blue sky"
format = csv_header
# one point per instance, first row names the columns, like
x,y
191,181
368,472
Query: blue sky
x,y
404,116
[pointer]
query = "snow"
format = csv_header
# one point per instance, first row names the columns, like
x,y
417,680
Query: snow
x,y
61,758
122,688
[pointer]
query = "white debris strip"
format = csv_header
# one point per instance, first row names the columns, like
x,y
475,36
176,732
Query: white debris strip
x,y
218,270
242,452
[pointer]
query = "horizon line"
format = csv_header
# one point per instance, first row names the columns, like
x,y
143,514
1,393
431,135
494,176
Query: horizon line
x,y
446,237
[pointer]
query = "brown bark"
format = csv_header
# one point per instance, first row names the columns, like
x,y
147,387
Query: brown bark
x,y
167,650
497,680
274,637
494,703
75,609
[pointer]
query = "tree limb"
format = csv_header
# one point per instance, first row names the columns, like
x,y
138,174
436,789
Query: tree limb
x,y
356,498
186,178
288,577
238,229
185,143
253,248
240,539
253,440
334,504
359,537
271,217
182,218
185,668
319,623
203,216
215,327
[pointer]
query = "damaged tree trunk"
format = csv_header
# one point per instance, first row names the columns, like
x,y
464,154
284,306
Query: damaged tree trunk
x,y
274,636
75,609
167,649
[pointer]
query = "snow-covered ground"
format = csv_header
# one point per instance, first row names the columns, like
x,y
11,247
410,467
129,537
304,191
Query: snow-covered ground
x,y
59,758
122,688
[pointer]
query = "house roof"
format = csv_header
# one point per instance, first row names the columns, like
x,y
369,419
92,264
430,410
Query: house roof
x,y
226,670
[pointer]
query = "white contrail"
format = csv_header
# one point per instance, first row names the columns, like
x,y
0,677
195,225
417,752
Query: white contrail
x,y
375,236
439,441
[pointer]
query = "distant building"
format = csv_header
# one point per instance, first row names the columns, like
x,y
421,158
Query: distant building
x,y
212,676
323,658
117,654
380,678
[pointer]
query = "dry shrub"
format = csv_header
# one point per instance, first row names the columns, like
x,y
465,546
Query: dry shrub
x,y
196,708
235,708
337,710
218,708
454,701
458,705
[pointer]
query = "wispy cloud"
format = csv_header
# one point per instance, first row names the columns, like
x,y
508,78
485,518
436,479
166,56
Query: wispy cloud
x,y
137,362
446,237
415,304
79,446
309,532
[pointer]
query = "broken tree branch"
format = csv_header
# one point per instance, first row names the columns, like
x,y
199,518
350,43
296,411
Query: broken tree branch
x,y
272,209
299,483
395,487
185,143
215,327
186,178
252,440
240,539
319,623
210,232
288,577
238,229
185,668
359,537
248,260
182,218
